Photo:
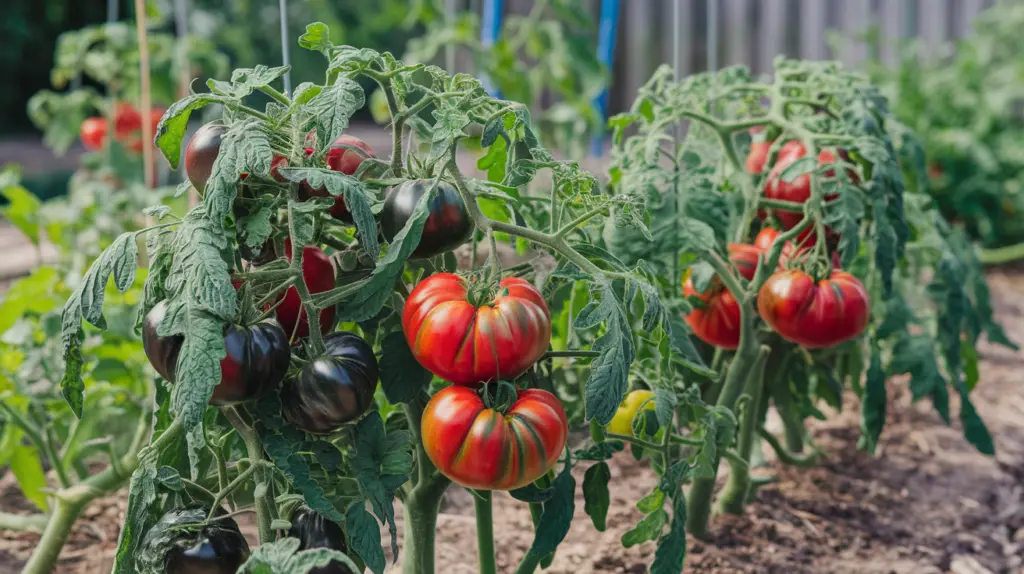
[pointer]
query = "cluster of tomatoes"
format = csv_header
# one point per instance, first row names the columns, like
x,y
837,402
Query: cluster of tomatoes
x,y
127,121
466,333
814,314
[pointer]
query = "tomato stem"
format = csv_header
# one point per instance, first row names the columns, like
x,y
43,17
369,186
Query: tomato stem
x,y
786,456
734,496
485,532
254,448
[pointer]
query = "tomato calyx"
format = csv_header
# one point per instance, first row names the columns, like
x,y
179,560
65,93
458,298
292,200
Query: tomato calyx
x,y
504,396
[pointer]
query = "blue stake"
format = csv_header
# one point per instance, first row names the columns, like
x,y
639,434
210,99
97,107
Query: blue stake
x,y
606,35
489,31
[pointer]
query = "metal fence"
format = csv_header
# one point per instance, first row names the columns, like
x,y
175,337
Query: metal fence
x,y
753,32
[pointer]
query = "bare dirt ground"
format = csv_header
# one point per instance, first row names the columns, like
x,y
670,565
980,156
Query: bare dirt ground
x,y
926,503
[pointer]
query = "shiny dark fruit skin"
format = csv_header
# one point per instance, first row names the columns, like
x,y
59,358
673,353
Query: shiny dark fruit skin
x,y
315,531
256,362
333,389
201,152
218,548
448,225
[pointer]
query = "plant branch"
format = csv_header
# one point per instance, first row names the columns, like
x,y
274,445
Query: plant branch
x,y
254,448
23,522
785,457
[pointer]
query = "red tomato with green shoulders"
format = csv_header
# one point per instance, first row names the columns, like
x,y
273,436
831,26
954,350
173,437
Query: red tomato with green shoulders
x,y
814,314
470,334
485,449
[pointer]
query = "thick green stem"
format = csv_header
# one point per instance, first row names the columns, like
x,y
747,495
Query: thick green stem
x,y
24,522
786,457
529,563
794,433
485,532
1001,255
421,509
44,557
740,370
254,449
734,495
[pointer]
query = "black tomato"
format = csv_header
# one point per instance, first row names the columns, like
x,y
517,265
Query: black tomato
x,y
257,357
171,548
201,152
333,389
315,531
448,225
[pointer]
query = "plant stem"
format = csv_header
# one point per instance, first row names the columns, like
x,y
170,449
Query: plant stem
x,y
28,523
529,563
254,448
570,353
734,495
485,532
1001,255
421,509
316,339
70,502
794,435
784,456
234,484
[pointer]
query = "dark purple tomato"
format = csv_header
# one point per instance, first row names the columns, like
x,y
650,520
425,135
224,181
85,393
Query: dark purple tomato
x,y
332,389
257,357
174,546
315,531
201,152
448,225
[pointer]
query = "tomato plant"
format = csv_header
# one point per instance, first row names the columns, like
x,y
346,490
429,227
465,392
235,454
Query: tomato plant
x,y
585,317
473,334
483,448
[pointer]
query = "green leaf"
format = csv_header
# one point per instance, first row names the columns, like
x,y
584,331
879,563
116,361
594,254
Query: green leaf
x,y
364,535
802,166
304,216
873,404
533,493
647,530
141,495
283,557
652,501
556,518
244,149
317,38
595,494
381,465
367,302
245,80
28,470
255,228
282,448
609,372
401,375
671,552
451,121
975,430
600,451
22,210
172,126
157,211
357,200
332,109
33,294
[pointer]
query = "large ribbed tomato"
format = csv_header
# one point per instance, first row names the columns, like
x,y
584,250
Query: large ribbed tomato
x,y
814,315
798,190
469,343
482,448
718,322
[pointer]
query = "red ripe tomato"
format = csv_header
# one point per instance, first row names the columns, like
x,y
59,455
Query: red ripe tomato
x,y
127,120
473,342
815,315
345,156
718,322
93,132
318,273
482,448
757,157
766,237
799,190
744,259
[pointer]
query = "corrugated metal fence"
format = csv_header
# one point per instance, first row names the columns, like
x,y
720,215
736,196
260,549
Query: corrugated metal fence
x,y
753,32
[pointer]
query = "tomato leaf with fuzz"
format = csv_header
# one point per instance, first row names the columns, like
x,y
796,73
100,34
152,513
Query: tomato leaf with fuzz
x,y
600,451
356,199
369,300
533,493
283,557
648,529
303,225
282,447
141,495
119,260
873,404
381,465
595,494
255,228
451,121
245,80
609,372
22,210
317,38
332,109
364,534
915,355
28,471
401,376
556,518
671,552
171,129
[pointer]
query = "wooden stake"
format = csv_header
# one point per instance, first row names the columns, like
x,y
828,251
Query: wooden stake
x,y
148,165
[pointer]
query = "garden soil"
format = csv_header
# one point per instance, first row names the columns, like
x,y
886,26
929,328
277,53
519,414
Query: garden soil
x,y
925,503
